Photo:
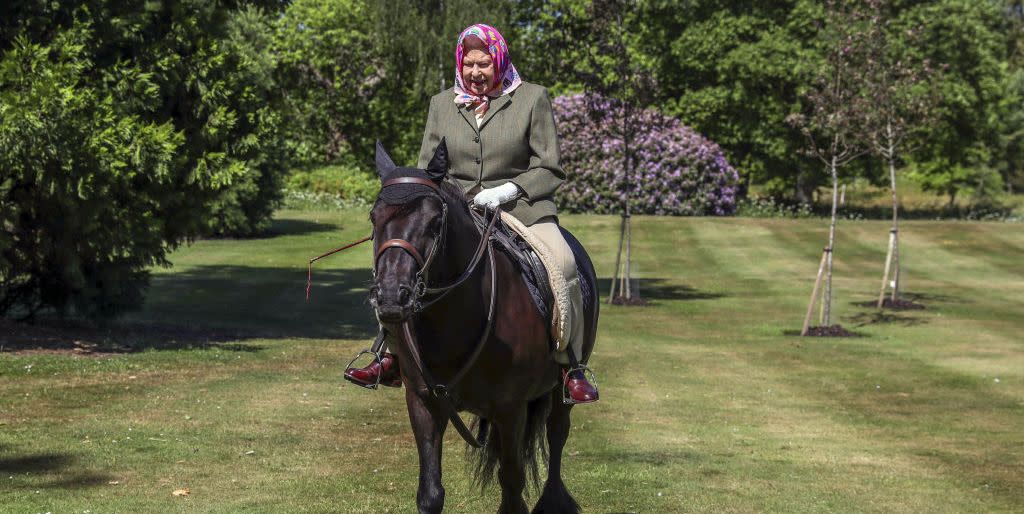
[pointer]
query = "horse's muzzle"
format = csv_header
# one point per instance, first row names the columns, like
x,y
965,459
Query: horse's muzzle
x,y
393,305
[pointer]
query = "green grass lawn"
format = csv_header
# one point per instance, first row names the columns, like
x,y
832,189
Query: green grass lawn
x,y
707,403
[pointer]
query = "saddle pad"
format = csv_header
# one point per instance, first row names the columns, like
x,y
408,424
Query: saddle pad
x,y
559,317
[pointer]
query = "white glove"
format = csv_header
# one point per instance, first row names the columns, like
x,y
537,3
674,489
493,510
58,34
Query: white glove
x,y
495,196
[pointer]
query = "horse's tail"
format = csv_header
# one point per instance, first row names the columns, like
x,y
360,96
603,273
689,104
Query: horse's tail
x,y
534,444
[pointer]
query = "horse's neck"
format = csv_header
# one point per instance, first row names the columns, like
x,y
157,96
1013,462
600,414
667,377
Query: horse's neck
x,y
461,241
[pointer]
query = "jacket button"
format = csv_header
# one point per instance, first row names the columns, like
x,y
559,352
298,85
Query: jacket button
x,y
476,139
477,160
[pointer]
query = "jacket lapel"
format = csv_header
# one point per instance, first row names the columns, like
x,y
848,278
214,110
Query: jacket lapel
x,y
468,116
496,105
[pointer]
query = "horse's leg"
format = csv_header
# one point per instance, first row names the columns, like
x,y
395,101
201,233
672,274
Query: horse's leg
x,y
556,498
428,424
512,472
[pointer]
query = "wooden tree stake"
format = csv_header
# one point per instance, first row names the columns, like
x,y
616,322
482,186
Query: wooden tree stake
x,y
888,263
814,292
618,260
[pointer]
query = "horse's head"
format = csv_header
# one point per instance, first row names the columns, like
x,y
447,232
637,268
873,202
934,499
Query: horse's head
x,y
409,220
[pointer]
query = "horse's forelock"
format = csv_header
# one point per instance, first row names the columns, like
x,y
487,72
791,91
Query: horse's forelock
x,y
399,194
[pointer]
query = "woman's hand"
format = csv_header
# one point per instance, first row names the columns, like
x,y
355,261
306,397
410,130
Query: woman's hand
x,y
495,196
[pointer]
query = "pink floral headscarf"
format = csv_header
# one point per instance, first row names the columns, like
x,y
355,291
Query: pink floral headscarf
x,y
505,74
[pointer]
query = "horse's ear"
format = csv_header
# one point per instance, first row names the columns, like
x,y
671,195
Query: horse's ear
x,y
385,164
437,168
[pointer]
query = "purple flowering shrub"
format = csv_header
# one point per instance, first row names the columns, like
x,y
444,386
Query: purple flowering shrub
x,y
679,172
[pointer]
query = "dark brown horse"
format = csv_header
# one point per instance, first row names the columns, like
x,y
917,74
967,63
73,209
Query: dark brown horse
x,y
433,290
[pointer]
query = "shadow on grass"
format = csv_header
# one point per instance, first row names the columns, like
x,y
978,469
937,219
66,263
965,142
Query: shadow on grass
x,y
288,227
922,212
82,338
34,463
658,289
883,318
850,334
934,297
216,306
265,302
293,227
920,299
47,463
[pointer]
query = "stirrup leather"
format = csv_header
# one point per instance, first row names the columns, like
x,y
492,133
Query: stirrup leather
x,y
376,358
587,373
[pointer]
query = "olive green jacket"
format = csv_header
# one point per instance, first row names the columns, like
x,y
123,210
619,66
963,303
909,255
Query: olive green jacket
x,y
516,142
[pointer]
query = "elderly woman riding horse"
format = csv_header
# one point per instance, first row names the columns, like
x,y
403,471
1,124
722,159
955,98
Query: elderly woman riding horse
x,y
503,150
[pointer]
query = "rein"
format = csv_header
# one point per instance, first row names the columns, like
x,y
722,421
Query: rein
x,y
440,391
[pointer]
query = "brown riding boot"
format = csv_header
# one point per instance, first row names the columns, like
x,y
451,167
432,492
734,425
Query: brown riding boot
x,y
579,388
390,375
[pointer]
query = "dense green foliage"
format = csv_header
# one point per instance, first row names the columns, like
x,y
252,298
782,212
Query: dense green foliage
x,y
732,70
355,71
349,182
175,120
127,127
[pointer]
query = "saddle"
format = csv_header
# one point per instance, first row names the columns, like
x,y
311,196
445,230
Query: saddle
x,y
526,260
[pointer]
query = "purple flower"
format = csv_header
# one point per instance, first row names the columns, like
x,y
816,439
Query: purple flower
x,y
673,163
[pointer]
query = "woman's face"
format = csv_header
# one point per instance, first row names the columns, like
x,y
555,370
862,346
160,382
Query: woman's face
x,y
477,67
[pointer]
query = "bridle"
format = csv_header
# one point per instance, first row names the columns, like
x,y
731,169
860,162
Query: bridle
x,y
420,290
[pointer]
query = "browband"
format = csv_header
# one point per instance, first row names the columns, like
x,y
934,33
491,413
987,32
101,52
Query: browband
x,y
412,180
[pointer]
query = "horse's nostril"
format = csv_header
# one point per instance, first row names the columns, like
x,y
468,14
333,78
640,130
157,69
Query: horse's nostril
x,y
403,295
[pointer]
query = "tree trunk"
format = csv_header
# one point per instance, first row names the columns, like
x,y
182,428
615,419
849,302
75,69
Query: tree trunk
x,y
827,299
804,191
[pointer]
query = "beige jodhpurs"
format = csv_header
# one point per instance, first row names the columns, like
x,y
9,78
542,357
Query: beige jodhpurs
x,y
546,230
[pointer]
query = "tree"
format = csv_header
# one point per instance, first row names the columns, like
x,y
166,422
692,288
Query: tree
x,y
834,119
126,128
902,93
960,152
354,72
1012,131
597,38
733,71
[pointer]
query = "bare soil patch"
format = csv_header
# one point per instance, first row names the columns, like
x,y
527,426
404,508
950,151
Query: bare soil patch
x,y
830,331
902,305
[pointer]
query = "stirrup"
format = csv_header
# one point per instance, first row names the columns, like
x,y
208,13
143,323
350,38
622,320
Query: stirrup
x,y
587,373
376,358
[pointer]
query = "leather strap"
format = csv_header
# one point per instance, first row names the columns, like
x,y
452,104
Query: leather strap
x,y
412,180
442,291
399,243
442,391
309,276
